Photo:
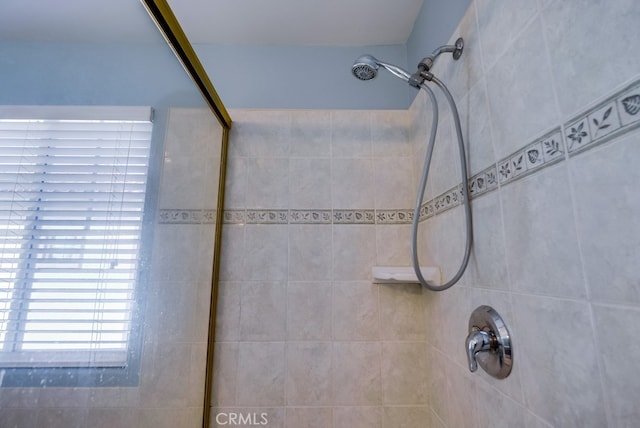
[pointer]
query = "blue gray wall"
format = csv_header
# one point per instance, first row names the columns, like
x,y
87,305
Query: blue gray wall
x,y
109,74
301,77
292,77
434,26
315,77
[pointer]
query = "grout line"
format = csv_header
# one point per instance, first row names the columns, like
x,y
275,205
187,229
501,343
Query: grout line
x,y
380,343
585,281
513,38
289,232
600,364
332,270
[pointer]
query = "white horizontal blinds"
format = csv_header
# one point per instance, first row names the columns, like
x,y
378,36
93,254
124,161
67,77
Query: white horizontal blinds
x,y
71,204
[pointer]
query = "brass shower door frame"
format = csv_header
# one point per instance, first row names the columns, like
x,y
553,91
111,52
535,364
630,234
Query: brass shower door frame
x,y
170,28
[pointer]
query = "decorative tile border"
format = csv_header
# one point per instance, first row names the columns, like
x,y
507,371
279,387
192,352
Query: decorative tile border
x,y
629,105
612,117
617,114
317,217
167,216
310,216
428,210
209,216
354,217
542,152
449,199
394,216
234,217
483,182
267,216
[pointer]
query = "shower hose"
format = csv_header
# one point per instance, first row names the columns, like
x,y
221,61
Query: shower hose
x,y
423,185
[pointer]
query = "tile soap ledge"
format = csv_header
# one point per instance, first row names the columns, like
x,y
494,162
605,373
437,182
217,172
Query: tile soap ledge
x,y
404,275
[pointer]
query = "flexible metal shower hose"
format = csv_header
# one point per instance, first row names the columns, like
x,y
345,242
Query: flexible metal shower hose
x,y
423,185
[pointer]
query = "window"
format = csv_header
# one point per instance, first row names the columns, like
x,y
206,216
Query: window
x,y
72,196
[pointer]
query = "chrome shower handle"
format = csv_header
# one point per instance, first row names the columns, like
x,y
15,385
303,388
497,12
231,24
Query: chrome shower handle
x,y
477,341
488,344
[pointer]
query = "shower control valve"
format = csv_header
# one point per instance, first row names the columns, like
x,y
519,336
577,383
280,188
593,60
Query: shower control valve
x,y
488,344
477,341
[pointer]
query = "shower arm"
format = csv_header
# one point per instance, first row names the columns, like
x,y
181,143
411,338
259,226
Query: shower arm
x,y
426,64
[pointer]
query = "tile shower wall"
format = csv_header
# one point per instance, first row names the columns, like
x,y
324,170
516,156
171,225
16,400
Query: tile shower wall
x,y
549,93
171,386
314,200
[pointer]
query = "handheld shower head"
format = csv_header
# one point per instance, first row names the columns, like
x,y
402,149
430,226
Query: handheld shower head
x,y
366,68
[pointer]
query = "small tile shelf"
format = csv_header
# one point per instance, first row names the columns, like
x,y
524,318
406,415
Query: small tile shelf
x,y
404,275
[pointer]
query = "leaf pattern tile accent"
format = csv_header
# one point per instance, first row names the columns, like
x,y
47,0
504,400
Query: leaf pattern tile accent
x,y
534,156
473,186
552,147
405,216
429,210
482,182
209,216
386,217
423,211
492,177
629,106
449,199
354,217
518,164
577,134
604,121
394,216
504,171
184,216
438,204
618,114
267,216
310,216
234,217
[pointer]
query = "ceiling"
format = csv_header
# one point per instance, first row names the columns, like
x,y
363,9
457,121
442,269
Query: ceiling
x,y
223,22
297,22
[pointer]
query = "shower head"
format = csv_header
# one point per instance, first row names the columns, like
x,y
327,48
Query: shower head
x,y
366,68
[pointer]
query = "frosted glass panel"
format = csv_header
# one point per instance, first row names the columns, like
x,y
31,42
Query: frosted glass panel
x,y
100,71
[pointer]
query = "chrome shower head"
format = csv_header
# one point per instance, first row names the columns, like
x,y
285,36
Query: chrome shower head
x,y
366,68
